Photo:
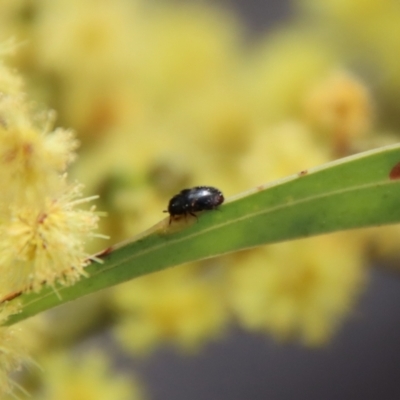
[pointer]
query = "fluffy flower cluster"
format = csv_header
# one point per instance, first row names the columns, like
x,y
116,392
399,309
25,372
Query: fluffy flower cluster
x,y
173,305
12,354
88,377
42,231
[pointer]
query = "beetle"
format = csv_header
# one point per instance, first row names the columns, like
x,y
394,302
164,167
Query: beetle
x,y
198,198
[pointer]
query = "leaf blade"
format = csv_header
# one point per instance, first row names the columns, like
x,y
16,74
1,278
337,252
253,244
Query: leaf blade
x,y
355,192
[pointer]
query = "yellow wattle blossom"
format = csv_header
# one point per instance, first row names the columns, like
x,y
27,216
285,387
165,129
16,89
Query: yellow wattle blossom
x,y
12,352
32,156
281,69
10,82
300,289
92,40
87,377
45,243
42,230
367,34
176,306
281,150
94,58
188,46
340,106
11,355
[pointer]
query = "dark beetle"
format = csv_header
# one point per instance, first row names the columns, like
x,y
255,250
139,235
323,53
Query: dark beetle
x,y
189,201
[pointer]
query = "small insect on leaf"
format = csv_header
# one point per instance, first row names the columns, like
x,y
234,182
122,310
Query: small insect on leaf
x,y
198,198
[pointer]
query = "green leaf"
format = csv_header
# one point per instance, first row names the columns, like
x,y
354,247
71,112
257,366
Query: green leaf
x,y
358,191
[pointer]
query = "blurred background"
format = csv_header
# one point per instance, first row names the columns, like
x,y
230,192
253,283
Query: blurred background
x,y
171,94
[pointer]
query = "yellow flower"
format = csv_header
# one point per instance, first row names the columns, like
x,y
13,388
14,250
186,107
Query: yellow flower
x,y
175,306
92,49
301,289
42,231
86,39
10,82
367,31
84,378
281,69
281,150
341,107
12,354
188,46
31,157
45,244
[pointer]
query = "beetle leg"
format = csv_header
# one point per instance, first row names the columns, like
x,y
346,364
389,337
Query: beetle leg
x,y
194,215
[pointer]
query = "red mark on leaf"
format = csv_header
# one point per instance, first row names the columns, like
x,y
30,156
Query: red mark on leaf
x,y
395,172
10,297
104,252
